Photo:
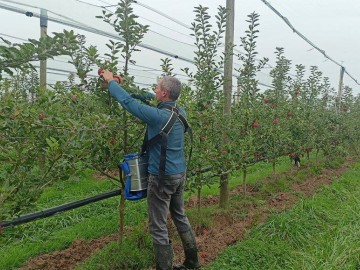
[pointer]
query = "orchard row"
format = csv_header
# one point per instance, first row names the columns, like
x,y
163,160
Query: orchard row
x,y
48,135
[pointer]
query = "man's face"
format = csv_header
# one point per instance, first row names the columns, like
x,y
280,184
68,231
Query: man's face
x,y
159,93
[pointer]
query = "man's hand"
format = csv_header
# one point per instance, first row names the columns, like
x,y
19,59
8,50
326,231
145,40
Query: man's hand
x,y
109,76
106,74
119,79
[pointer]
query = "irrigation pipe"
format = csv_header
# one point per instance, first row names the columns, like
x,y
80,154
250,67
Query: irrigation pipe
x,y
58,209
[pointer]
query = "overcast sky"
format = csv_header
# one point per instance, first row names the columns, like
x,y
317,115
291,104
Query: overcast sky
x,y
332,25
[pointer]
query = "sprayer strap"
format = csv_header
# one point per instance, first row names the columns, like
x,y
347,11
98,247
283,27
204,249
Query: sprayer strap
x,y
163,137
181,117
186,127
164,131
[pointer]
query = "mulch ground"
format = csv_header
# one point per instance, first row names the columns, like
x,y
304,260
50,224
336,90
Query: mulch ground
x,y
225,230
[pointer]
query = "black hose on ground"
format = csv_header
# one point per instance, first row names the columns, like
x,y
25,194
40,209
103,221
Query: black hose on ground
x,y
58,209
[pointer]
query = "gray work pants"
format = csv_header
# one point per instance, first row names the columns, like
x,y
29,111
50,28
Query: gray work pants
x,y
162,198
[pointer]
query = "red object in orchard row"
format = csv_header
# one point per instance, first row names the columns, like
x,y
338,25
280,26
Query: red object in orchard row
x,y
116,77
255,124
42,116
276,121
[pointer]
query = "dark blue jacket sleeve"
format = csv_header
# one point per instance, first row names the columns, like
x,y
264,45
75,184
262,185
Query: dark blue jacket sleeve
x,y
145,97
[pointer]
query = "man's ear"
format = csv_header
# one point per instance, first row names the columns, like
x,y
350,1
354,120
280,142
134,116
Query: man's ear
x,y
164,93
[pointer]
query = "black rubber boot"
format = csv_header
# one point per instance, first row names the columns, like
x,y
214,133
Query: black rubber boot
x,y
191,252
163,257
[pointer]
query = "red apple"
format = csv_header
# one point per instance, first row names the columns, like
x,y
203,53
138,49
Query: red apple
x,y
112,141
276,121
42,116
255,124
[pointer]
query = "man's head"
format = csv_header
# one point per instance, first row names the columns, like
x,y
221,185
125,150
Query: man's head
x,y
168,89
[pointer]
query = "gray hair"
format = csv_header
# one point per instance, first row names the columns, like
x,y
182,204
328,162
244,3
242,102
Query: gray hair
x,y
172,85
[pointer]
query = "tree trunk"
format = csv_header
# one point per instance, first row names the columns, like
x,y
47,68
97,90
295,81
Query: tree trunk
x,y
122,216
125,132
224,190
273,165
199,199
244,181
122,207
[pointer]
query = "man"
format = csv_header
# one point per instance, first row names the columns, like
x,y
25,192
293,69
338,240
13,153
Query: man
x,y
164,195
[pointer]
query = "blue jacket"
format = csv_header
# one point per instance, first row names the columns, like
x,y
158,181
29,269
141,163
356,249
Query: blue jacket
x,y
156,118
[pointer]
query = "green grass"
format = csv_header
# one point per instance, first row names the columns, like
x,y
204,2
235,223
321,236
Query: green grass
x,y
22,242
321,232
